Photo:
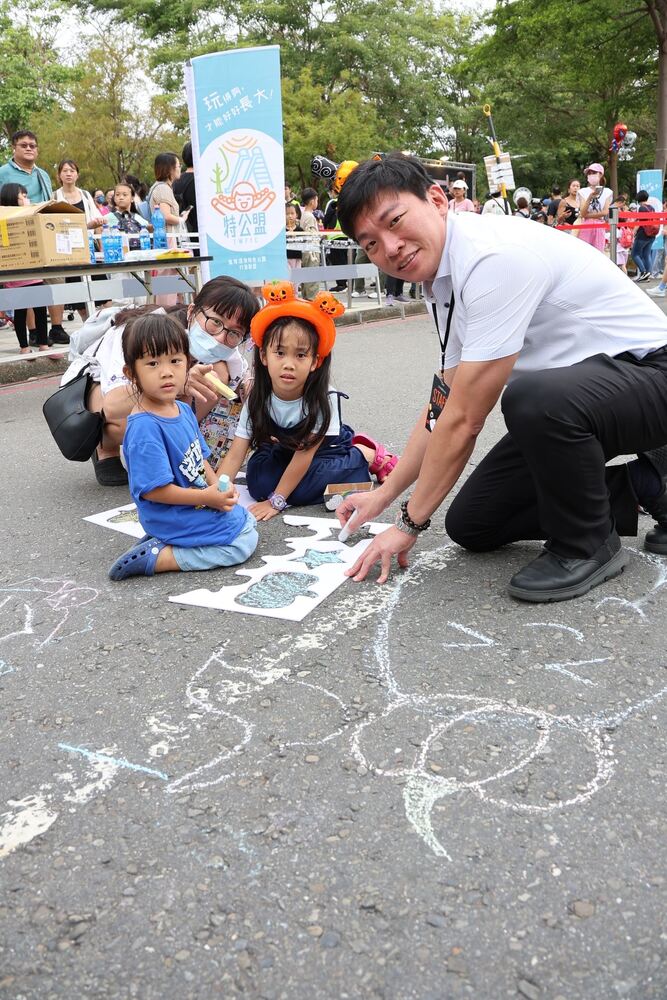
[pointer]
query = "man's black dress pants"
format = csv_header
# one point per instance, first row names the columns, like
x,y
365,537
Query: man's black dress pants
x,y
546,479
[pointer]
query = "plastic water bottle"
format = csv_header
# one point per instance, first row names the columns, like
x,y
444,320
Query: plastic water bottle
x,y
144,240
224,483
159,231
91,248
118,244
112,246
107,246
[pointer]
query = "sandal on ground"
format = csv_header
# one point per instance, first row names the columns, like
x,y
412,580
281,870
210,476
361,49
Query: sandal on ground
x,y
383,463
140,560
109,471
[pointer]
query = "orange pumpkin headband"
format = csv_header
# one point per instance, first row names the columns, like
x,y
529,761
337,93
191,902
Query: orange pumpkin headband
x,y
281,301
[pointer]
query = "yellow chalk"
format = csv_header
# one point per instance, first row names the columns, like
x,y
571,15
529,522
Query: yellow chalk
x,y
219,386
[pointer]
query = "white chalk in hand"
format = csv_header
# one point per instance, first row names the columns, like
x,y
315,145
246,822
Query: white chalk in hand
x,y
346,531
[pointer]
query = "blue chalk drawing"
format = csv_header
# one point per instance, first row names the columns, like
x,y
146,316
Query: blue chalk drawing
x,y
116,761
5,668
315,557
277,590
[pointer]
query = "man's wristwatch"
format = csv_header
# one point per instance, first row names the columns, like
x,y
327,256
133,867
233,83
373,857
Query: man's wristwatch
x,y
405,523
277,501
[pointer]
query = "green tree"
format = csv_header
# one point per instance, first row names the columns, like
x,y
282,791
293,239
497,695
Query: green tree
x,y
558,86
394,69
102,125
32,75
340,125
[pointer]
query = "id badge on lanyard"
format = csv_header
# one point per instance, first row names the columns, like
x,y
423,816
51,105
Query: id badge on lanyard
x,y
439,389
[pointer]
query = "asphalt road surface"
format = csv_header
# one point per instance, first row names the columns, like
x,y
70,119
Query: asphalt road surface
x,y
422,790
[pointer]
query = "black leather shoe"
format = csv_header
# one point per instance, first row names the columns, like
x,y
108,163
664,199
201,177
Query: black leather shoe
x,y
554,578
656,538
58,335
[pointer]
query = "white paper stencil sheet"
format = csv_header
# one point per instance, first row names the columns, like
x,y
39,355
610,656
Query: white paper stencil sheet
x,y
289,586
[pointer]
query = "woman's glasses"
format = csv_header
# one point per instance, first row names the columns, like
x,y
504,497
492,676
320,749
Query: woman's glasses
x,y
216,328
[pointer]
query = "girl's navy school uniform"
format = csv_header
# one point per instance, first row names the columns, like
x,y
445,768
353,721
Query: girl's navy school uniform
x,y
293,340
337,460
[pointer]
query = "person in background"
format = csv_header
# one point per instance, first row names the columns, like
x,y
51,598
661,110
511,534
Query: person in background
x,y
184,190
22,168
16,195
290,199
68,175
292,219
569,206
494,205
658,252
335,257
522,210
595,205
129,221
394,289
101,202
310,257
139,191
625,238
461,202
643,241
161,195
552,207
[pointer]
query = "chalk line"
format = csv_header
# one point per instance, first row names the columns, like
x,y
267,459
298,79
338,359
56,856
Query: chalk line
x,y
116,761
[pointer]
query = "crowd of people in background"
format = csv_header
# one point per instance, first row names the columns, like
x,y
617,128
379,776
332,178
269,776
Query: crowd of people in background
x,y
130,203
313,233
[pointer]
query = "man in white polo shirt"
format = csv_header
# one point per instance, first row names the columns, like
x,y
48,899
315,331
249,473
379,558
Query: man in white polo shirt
x,y
582,353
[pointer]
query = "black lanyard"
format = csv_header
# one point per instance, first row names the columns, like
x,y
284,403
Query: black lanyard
x,y
443,343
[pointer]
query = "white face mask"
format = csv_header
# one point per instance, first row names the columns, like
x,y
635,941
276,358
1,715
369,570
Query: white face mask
x,y
593,180
205,348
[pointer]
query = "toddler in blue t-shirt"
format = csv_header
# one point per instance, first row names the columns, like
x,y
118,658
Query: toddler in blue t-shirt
x,y
191,525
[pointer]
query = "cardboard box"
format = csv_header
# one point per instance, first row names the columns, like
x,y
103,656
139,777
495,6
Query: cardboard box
x,y
335,493
50,234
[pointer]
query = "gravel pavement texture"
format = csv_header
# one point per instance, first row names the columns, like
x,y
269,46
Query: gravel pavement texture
x,y
423,790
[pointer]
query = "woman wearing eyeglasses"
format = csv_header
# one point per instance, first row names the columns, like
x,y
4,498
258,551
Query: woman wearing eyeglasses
x,y
219,327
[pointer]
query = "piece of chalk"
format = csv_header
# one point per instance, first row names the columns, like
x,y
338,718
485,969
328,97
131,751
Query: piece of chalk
x,y
224,483
219,386
344,532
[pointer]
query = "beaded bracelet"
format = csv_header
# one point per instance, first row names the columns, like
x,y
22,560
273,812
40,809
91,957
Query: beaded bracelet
x,y
409,523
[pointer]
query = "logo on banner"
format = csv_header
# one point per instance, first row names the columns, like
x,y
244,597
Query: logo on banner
x,y
241,189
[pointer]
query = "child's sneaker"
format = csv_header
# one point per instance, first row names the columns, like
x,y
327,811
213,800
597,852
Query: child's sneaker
x,y
658,292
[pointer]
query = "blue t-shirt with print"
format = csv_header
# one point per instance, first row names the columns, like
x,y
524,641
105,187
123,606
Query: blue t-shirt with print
x,y
160,451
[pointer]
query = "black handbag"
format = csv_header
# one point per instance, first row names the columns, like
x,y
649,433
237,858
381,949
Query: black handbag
x,y
76,430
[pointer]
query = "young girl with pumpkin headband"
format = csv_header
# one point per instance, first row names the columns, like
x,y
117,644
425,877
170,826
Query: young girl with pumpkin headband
x,y
292,416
